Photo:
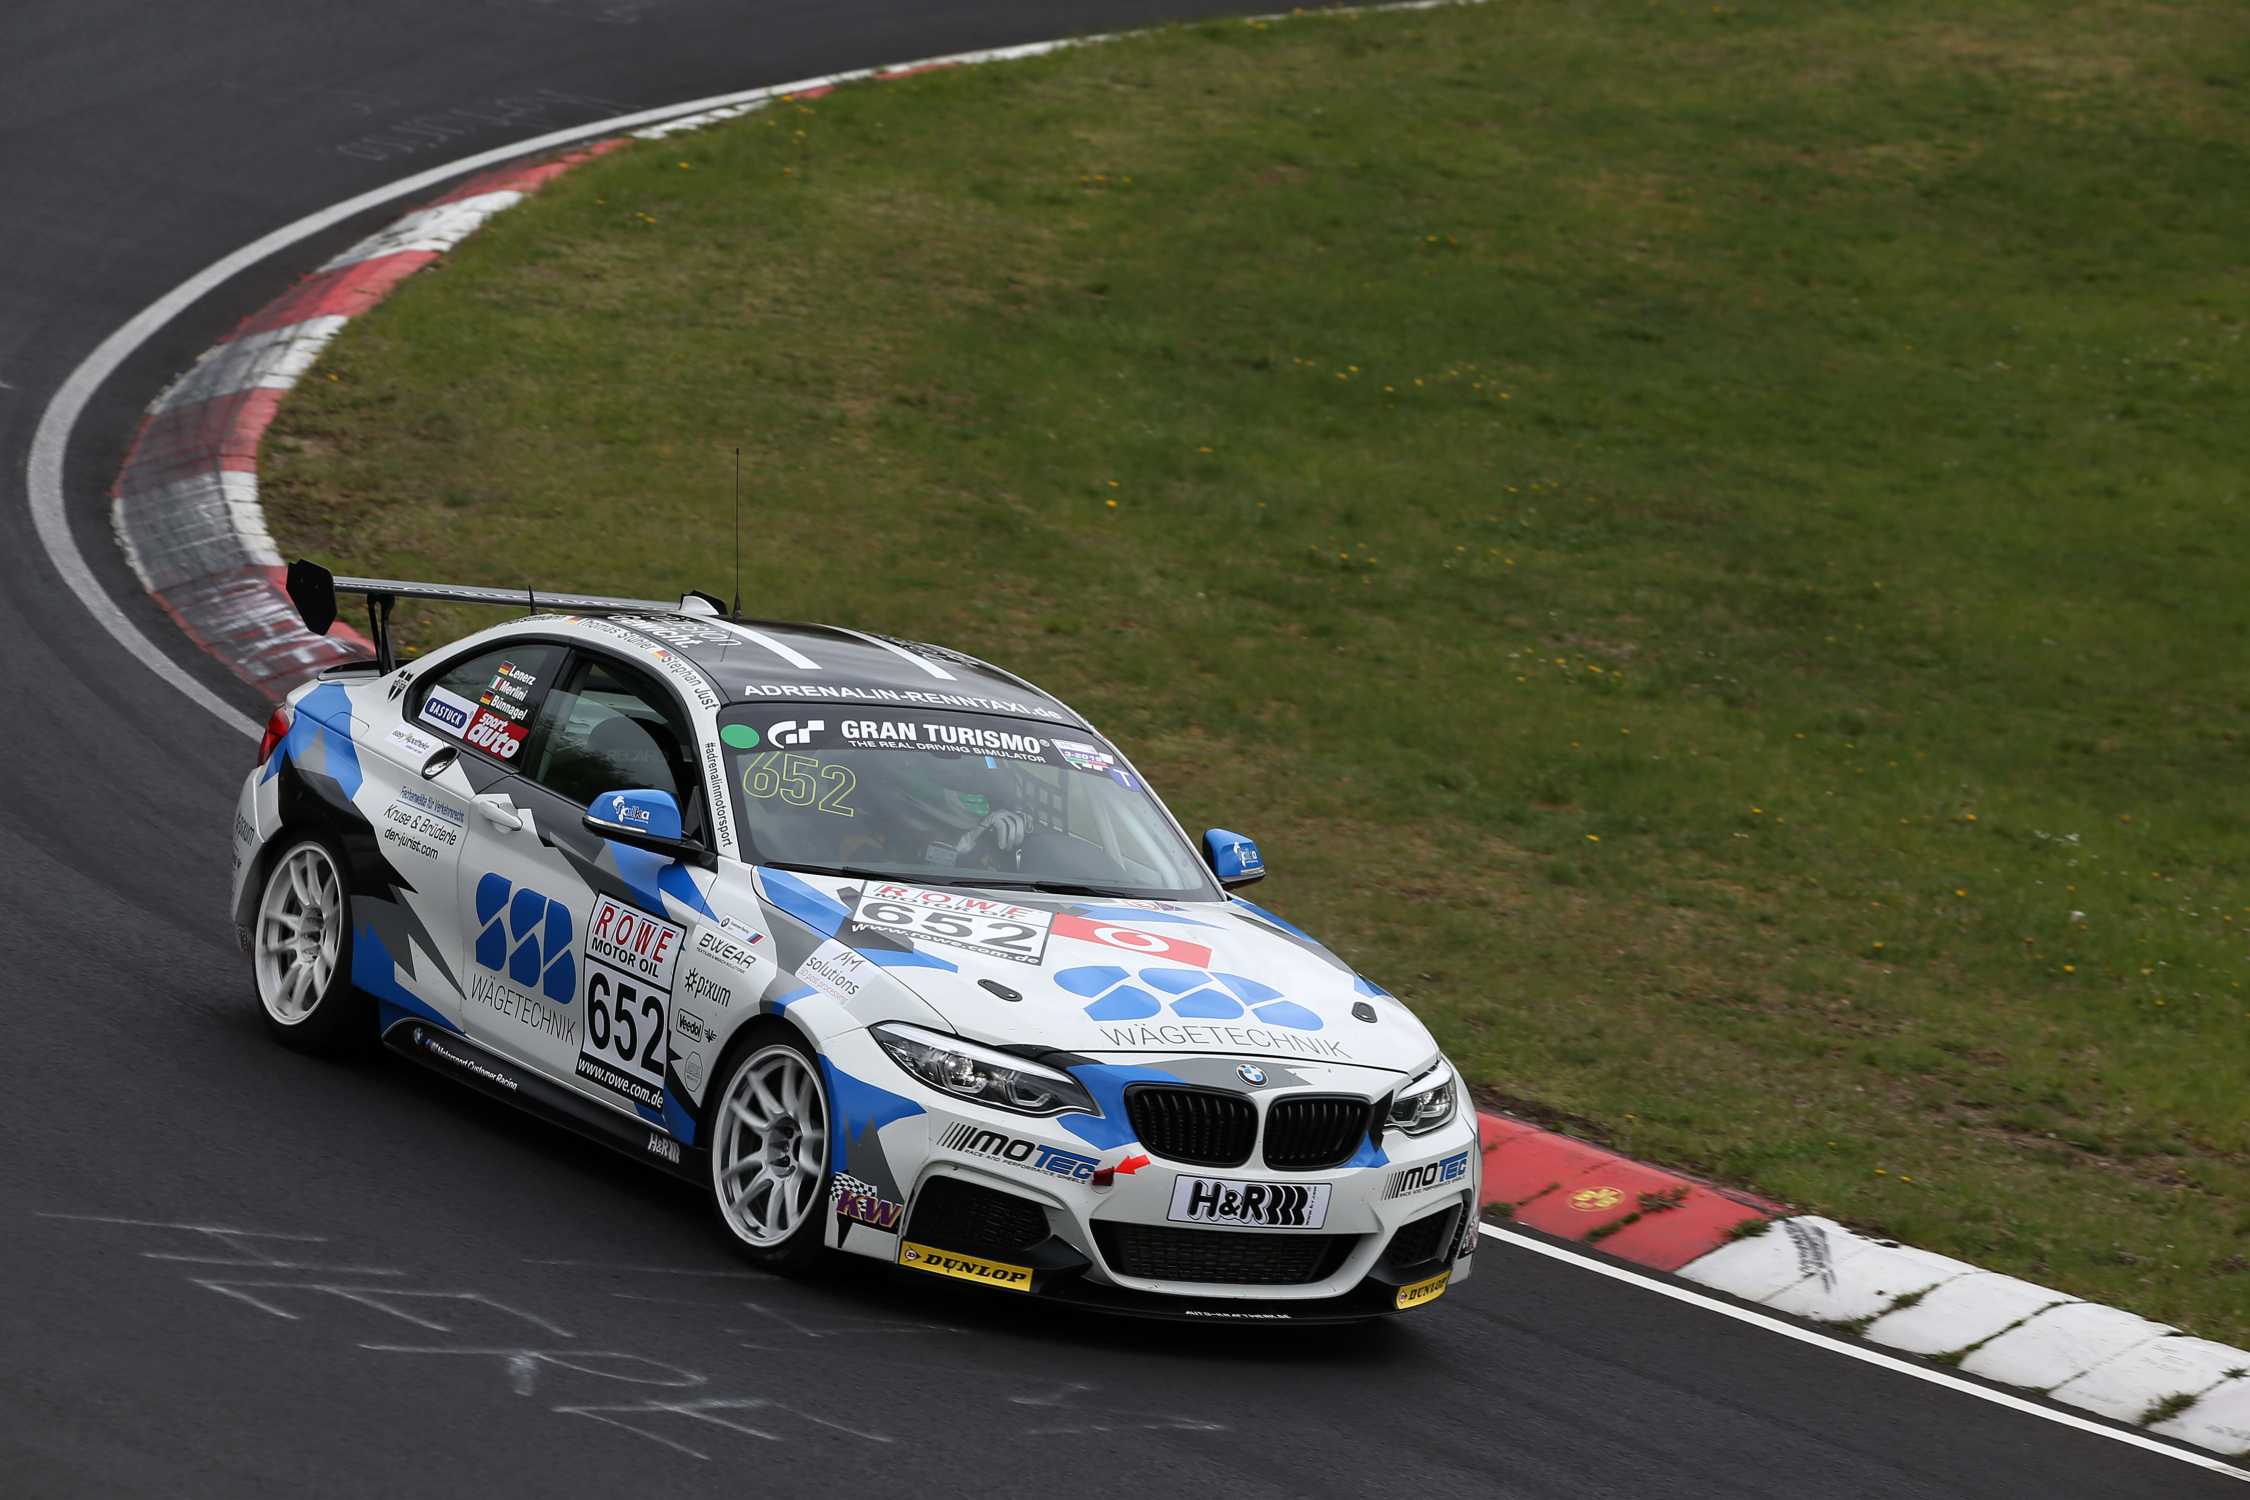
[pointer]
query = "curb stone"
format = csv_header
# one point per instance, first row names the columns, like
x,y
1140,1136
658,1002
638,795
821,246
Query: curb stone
x,y
185,511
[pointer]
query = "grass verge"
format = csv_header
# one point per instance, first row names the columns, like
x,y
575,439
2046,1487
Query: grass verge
x,y
1705,540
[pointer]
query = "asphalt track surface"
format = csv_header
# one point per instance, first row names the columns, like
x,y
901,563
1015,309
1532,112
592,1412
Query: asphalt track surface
x,y
423,1293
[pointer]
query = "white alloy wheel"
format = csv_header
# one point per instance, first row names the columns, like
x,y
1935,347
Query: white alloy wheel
x,y
769,1146
299,937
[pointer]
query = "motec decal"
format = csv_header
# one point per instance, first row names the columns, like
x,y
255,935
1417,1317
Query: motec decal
x,y
964,1267
1034,1156
1419,1292
1249,1205
1430,1174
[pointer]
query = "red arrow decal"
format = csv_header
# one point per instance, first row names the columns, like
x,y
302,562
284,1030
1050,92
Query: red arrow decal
x,y
1130,1165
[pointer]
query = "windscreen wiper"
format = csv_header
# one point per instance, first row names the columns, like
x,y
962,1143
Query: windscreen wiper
x,y
857,872
1052,888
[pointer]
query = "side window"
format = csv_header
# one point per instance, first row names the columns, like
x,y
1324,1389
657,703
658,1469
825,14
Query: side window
x,y
489,700
608,728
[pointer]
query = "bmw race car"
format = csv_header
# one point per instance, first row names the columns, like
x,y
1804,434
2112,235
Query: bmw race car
x,y
886,949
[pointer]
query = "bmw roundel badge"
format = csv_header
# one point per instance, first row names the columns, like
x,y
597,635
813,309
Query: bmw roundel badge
x,y
1251,1073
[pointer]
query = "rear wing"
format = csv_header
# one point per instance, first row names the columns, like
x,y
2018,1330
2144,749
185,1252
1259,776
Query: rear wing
x,y
313,589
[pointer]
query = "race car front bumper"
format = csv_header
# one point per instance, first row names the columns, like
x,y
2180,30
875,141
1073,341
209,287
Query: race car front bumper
x,y
1087,1211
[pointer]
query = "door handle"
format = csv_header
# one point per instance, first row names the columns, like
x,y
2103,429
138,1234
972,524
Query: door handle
x,y
498,809
436,764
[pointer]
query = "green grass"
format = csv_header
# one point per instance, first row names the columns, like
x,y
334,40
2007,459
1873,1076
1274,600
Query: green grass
x,y
1706,542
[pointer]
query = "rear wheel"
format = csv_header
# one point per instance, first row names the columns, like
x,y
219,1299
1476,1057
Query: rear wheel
x,y
301,951
770,1129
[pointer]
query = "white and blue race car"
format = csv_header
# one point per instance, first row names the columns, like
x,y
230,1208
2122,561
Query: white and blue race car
x,y
888,950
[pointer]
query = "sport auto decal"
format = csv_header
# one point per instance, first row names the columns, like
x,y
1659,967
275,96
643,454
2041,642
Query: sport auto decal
x,y
1191,993
1034,1156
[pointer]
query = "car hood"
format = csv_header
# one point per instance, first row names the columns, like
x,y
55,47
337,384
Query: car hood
x,y
1104,976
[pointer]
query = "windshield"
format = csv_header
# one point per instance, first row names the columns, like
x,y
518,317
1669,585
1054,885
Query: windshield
x,y
950,799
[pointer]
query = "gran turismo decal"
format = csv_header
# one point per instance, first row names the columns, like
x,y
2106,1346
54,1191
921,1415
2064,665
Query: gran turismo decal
x,y
790,732
1033,1156
964,1267
1192,994
1430,1174
1249,1205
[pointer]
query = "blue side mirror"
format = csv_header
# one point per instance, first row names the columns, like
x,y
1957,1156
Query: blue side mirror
x,y
643,817
1233,857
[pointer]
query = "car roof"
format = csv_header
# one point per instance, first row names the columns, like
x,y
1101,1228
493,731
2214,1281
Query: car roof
x,y
755,661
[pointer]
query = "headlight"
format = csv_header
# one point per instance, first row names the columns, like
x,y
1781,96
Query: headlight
x,y
1426,1103
980,1073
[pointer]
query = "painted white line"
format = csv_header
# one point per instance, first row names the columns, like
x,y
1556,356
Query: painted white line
x,y
788,654
900,652
1915,1368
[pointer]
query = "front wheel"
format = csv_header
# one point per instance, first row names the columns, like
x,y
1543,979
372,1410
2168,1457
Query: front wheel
x,y
769,1133
301,952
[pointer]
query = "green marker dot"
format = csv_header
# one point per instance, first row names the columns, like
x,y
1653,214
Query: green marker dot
x,y
739,736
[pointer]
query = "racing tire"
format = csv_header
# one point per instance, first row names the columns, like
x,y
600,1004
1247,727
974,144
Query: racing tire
x,y
770,1127
301,953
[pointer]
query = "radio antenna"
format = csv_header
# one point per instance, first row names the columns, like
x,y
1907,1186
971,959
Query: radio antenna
x,y
738,531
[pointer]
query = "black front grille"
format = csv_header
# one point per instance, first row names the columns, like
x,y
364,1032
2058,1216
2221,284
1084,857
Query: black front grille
x,y
1306,1133
1424,1240
1233,1257
1197,1126
969,1217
